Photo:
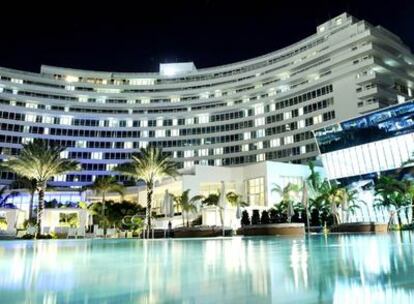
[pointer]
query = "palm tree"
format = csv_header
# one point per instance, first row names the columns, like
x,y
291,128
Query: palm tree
x,y
391,192
103,185
409,184
314,180
149,165
236,201
186,204
289,195
5,195
318,203
316,187
41,162
335,197
31,186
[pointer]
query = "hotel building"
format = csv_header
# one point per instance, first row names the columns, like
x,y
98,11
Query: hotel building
x,y
256,110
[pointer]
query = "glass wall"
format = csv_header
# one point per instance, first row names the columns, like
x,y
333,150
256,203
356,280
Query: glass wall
x,y
387,123
376,156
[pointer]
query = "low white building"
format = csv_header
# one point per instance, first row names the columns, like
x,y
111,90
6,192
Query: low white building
x,y
254,182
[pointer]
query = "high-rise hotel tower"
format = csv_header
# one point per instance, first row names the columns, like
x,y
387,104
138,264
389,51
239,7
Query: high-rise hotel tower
x,y
259,109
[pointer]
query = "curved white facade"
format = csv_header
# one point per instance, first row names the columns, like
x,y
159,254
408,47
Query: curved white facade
x,y
260,109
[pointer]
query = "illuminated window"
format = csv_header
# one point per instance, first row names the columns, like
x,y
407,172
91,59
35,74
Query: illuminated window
x,y
203,118
204,95
145,100
142,81
96,155
30,117
19,81
175,99
275,142
203,152
108,90
258,109
64,154
69,78
159,133
255,191
189,153
218,151
260,157
260,133
288,140
247,135
80,144
259,121
188,164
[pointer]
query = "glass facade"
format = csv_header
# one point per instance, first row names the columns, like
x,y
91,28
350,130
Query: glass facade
x,y
373,143
387,123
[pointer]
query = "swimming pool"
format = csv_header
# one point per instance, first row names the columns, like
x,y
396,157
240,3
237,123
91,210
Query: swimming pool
x,y
333,269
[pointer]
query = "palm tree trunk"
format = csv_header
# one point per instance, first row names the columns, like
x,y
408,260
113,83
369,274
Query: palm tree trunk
x,y
149,206
399,218
221,219
407,218
31,205
103,214
412,210
41,207
182,214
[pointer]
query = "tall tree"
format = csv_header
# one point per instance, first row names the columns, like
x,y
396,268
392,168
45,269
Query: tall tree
x,y
236,200
104,185
149,165
41,162
391,192
289,196
186,204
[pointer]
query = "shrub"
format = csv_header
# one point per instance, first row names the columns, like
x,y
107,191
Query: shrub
x,y
265,217
273,215
245,220
255,217
197,221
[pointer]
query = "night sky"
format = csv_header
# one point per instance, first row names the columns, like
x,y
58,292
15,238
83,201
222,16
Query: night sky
x,y
136,38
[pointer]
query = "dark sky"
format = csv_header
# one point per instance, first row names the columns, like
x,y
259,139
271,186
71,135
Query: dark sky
x,y
136,38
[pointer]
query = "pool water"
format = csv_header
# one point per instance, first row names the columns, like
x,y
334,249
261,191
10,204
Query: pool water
x,y
319,269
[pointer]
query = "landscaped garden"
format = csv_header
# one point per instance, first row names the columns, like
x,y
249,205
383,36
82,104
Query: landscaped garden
x,y
316,205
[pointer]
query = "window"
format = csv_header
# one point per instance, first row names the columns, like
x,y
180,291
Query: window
x,y
255,191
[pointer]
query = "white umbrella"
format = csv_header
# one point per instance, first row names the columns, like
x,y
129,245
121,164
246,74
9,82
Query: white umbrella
x,y
222,203
166,203
290,210
305,202
238,212
170,206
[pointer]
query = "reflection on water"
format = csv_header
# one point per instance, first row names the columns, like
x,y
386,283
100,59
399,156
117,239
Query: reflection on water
x,y
333,269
